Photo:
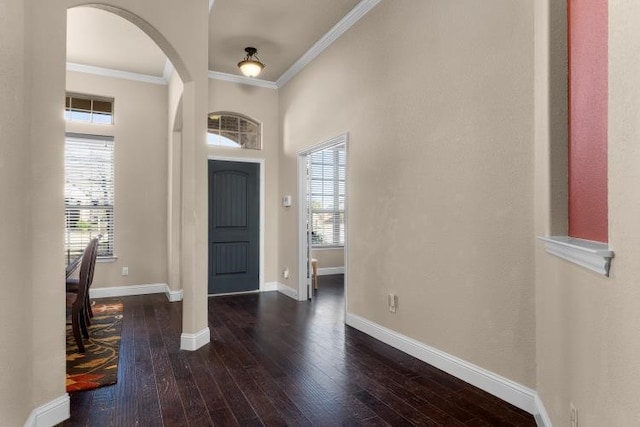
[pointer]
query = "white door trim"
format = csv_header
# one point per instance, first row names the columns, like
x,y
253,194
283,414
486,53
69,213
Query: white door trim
x,y
302,207
261,163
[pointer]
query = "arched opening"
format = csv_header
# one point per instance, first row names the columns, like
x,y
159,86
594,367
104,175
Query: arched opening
x,y
123,58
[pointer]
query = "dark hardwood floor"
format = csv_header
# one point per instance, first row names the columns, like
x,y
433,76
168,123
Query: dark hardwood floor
x,y
275,361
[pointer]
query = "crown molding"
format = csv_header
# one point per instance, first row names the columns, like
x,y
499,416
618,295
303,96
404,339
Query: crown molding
x,y
217,75
108,72
332,35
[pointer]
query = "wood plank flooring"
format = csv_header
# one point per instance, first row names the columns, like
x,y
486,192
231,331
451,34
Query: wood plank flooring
x,y
274,361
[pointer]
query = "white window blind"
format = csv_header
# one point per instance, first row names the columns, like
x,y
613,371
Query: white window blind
x,y
88,193
327,193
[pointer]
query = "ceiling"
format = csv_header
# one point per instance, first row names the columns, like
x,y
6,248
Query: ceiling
x,y
101,39
281,30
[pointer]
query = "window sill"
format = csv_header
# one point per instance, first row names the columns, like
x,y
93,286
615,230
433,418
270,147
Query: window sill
x,y
111,258
595,256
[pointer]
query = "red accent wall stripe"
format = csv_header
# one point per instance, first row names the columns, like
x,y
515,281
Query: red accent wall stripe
x,y
588,92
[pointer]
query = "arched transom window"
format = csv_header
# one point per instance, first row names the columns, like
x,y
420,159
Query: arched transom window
x,y
233,130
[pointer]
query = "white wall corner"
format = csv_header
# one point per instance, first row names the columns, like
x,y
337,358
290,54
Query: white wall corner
x,y
503,388
192,342
51,413
540,414
286,290
124,291
269,286
330,270
173,296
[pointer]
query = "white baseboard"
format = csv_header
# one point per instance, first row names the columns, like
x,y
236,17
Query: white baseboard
x,y
51,413
507,390
290,292
131,290
269,286
192,342
330,270
125,291
173,296
540,414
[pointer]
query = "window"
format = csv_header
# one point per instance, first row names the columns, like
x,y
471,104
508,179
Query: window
x,y
88,193
588,96
327,193
586,244
233,130
87,108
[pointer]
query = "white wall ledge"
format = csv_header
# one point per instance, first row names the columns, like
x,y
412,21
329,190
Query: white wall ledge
x,y
596,256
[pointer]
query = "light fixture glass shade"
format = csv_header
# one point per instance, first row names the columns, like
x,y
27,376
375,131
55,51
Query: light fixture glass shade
x,y
251,65
250,68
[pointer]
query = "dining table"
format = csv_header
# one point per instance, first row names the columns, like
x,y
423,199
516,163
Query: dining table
x,y
72,265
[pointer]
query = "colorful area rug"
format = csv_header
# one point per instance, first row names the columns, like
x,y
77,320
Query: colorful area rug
x,y
98,366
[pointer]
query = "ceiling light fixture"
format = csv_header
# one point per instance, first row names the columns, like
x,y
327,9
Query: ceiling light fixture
x,y
251,65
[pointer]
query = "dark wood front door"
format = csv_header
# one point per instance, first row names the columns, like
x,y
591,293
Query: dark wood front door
x,y
234,210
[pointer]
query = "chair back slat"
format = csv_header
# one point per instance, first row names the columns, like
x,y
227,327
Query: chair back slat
x,y
86,271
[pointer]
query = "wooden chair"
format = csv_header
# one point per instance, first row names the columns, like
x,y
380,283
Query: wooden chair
x,y
73,284
79,309
314,267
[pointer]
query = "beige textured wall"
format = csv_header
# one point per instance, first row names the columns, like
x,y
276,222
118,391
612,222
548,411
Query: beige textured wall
x,y
15,299
440,172
260,104
140,141
174,183
587,325
333,257
182,29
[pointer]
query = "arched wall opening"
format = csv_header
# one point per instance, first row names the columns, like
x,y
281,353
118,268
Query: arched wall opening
x,y
184,41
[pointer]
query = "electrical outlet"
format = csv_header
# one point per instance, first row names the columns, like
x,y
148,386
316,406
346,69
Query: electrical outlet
x,y
125,271
285,273
392,301
573,415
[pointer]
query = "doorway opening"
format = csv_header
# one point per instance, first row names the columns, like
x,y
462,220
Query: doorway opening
x,y
322,218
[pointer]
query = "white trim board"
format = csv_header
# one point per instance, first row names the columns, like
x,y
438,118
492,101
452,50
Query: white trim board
x,y
51,413
118,74
233,78
192,342
540,414
330,270
269,286
125,291
503,388
174,296
288,291
595,256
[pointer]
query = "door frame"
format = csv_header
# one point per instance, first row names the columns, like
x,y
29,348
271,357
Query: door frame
x,y
303,242
261,184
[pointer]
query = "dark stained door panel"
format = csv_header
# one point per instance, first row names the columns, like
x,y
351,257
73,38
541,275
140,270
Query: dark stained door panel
x,y
234,209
